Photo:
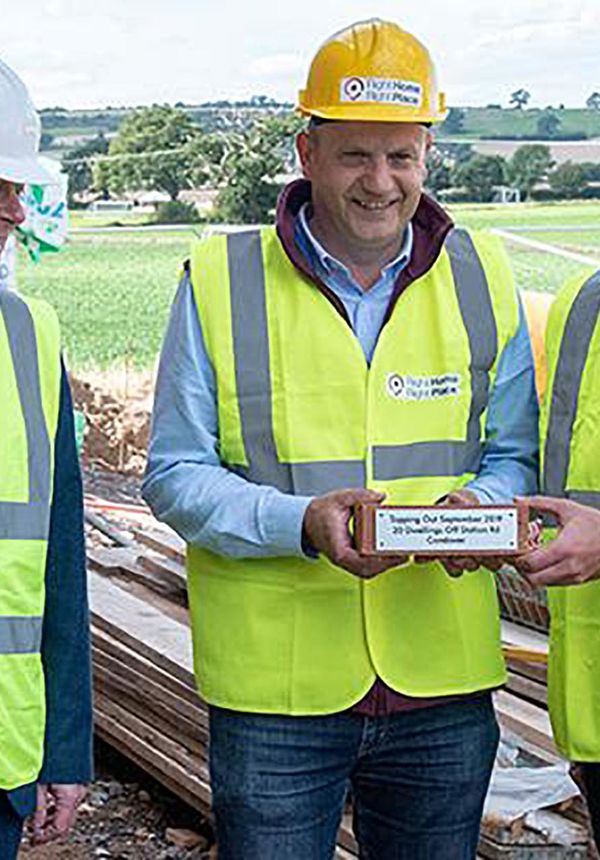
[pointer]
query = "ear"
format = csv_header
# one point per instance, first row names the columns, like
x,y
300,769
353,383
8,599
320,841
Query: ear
x,y
303,148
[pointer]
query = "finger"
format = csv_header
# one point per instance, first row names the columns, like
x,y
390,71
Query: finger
x,y
356,495
556,574
539,559
41,812
548,505
452,569
66,809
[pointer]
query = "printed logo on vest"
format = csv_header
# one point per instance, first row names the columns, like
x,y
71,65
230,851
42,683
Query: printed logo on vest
x,y
404,387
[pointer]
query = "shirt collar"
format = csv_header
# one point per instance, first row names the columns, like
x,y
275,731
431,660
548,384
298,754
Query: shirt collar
x,y
329,262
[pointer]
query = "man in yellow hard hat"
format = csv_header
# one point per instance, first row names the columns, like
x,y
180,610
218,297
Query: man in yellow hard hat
x,y
361,348
569,565
45,691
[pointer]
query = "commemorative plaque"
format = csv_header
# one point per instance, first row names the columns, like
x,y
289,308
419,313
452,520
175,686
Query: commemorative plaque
x,y
441,531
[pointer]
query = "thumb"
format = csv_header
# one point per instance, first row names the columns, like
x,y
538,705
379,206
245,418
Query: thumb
x,y
561,508
362,495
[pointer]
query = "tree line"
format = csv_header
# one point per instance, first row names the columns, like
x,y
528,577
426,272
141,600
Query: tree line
x,y
161,148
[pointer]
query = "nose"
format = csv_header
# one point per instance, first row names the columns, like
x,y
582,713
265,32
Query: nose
x,y
10,206
379,178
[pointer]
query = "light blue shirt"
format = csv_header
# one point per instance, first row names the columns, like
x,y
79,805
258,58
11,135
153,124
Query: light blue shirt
x,y
188,487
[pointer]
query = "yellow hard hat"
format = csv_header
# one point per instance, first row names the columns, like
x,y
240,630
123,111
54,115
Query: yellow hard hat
x,y
373,71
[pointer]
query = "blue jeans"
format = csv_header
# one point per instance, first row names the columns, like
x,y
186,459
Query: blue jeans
x,y
418,781
11,828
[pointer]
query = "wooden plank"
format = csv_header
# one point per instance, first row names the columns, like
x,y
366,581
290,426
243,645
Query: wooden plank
x,y
141,626
126,564
154,704
530,691
114,647
167,543
191,789
526,720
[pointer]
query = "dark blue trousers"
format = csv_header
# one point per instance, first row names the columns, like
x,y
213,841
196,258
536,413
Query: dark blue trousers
x,y
418,781
11,828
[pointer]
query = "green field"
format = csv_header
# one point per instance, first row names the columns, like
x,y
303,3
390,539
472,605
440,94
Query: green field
x,y
486,122
113,290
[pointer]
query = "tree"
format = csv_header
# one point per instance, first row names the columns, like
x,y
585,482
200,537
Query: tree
x,y
479,175
77,164
568,179
548,124
528,166
519,98
152,151
454,122
438,171
251,167
593,102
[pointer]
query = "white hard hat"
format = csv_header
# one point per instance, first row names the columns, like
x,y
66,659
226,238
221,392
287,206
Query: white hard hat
x,y
20,132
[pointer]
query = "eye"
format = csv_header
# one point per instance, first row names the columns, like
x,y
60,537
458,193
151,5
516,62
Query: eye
x,y
354,157
400,158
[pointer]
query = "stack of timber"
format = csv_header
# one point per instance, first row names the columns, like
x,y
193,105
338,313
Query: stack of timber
x,y
147,707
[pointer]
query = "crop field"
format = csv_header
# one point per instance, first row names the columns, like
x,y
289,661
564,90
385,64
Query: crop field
x,y
113,290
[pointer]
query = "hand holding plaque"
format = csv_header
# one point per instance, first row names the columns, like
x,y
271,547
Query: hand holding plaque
x,y
461,535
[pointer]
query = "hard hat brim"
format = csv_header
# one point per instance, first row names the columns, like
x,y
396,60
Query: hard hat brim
x,y
370,113
28,171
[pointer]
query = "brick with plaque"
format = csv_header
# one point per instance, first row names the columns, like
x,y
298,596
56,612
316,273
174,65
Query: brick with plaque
x,y
441,531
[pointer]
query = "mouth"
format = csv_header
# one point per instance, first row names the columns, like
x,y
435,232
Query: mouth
x,y
374,206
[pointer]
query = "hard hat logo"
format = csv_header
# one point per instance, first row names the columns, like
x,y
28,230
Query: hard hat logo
x,y
352,89
382,90
373,71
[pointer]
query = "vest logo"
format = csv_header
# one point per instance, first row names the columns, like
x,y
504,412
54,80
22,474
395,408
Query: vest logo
x,y
404,387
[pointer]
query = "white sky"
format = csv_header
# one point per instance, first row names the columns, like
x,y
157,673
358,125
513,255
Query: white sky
x,y
92,53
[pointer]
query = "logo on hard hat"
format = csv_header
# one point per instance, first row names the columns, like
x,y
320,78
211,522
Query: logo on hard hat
x,y
392,91
352,89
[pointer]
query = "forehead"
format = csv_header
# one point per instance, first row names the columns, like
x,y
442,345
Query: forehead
x,y
372,135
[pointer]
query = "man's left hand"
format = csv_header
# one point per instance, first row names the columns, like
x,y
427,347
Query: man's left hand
x,y
56,810
574,556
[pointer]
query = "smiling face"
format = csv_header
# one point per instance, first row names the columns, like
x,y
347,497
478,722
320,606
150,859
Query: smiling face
x,y
11,211
367,179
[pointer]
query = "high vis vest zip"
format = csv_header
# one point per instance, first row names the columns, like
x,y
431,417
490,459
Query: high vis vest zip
x,y
29,393
301,410
570,435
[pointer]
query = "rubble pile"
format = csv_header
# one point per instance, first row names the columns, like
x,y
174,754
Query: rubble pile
x,y
117,423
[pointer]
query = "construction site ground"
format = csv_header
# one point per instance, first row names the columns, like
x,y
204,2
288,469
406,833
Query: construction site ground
x,y
129,815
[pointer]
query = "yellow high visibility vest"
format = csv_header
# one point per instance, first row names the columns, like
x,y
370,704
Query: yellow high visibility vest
x,y
29,393
299,409
570,435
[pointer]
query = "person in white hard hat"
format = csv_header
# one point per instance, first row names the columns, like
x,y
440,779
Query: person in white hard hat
x,y
45,691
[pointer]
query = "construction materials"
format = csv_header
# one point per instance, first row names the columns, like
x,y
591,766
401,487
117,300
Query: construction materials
x,y
146,704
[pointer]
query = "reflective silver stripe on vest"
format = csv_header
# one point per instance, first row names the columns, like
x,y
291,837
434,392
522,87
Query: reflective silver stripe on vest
x,y
441,458
20,635
425,460
27,521
253,381
477,311
585,497
573,352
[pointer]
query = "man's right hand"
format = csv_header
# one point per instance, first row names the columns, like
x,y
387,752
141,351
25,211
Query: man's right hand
x,y
327,528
